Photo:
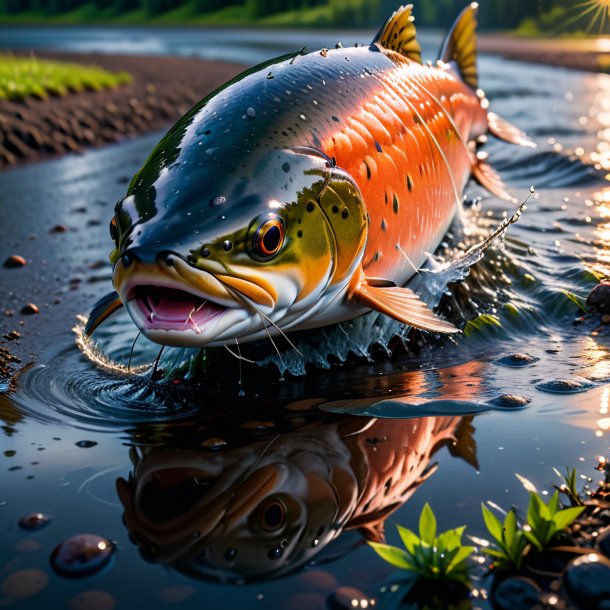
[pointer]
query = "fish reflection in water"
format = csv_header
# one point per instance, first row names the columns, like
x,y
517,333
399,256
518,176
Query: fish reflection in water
x,y
266,504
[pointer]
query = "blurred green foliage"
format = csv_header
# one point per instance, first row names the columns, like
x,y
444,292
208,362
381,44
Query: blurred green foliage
x,y
530,16
22,77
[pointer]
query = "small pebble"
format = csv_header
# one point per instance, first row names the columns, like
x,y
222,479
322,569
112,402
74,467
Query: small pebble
x,y
29,309
24,583
587,580
603,541
214,443
14,261
516,593
59,229
13,335
33,521
92,600
517,360
510,401
599,297
606,318
177,593
81,555
564,386
343,598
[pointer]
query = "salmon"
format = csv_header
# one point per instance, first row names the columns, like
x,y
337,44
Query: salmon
x,y
307,191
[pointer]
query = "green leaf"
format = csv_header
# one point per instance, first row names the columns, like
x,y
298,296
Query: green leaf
x,y
564,517
554,504
510,528
530,536
493,524
393,555
541,507
462,554
427,525
451,538
409,538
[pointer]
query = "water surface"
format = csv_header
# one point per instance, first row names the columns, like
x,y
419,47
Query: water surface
x,y
261,495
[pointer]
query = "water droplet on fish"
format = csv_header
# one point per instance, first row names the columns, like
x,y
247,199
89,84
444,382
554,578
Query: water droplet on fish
x,y
81,555
251,112
302,117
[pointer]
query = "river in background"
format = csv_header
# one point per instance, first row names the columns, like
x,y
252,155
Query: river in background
x,y
157,467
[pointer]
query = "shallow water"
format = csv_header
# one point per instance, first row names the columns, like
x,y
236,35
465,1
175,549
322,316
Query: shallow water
x,y
186,478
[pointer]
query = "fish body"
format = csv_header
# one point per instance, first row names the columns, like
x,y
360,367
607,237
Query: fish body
x,y
306,191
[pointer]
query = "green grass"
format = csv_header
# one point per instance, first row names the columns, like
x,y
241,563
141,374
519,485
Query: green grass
x,y
22,77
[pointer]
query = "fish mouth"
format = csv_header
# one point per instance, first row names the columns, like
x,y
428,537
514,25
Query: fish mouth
x,y
173,492
173,309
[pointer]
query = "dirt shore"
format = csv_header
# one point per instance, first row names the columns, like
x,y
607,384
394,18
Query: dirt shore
x,y
163,89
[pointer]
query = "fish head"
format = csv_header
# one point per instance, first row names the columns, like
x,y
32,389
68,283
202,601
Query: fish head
x,y
246,514
209,253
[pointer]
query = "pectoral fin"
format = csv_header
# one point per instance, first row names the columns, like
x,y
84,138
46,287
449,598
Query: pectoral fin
x,y
401,304
105,307
489,179
503,130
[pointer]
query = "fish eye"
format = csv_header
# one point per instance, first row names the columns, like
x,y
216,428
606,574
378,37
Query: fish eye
x,y
271,514
269,237
114,231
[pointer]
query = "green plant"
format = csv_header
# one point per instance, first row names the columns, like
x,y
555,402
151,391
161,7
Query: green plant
x,y
441,557
510,539
568,487
547,520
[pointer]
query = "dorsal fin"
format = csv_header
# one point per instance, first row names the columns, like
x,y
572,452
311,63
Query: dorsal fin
x,y
460,45
398,34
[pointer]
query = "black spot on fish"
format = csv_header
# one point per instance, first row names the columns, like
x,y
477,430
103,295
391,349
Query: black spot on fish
x,y
310,206
336,119
395,203
205,252
227,245
335,209
368,170
385,196
377,255
286,167
416,119
384,226
378,147
344,213
409,183
299,233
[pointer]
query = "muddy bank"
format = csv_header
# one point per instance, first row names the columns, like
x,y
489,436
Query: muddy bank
x,y
163,89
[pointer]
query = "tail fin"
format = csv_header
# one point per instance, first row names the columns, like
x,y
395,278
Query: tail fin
x,y
460,46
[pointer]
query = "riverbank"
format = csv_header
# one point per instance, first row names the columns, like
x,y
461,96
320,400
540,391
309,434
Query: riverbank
x,y
163,89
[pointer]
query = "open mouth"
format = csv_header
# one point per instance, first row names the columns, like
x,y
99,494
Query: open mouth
x,y
171,309
172,492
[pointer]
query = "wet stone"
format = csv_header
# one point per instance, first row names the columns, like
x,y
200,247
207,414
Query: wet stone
x,y
33,521
511,401
603,542
599,297
214,443
85,444
14,261
13,335
345,598
24,583
59,229
81,555
92,600
516,593
587,581
564,386
30,309
517,360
